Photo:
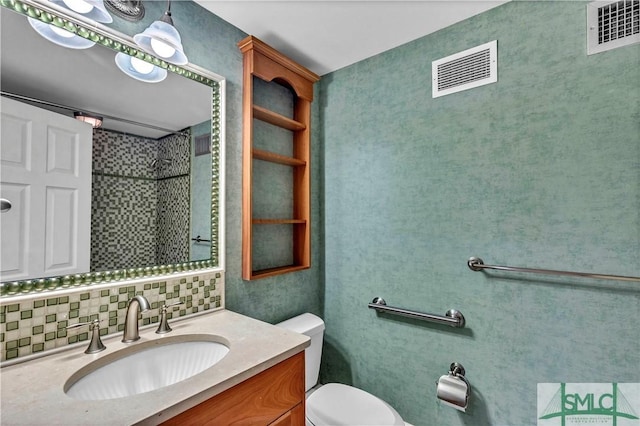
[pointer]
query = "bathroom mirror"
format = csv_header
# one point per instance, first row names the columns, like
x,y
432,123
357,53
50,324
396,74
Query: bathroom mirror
x,y
184,108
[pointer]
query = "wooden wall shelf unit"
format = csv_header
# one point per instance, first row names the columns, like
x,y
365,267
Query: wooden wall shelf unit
x,y
265,63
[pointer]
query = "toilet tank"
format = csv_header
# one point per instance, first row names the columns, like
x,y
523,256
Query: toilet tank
x,y
312,326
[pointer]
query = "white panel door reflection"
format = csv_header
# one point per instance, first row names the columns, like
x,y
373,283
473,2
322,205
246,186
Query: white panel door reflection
x,y
45,175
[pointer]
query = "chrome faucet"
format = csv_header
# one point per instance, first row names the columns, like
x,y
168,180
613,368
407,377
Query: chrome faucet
x,y
136,304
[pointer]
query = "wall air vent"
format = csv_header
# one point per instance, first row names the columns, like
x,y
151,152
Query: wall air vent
x,y
612,24
465,70
203,144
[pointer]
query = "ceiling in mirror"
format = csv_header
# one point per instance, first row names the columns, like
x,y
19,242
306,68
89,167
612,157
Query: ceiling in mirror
x,y
89,81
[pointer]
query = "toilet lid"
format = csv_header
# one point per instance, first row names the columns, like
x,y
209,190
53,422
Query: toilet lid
x,y
341,405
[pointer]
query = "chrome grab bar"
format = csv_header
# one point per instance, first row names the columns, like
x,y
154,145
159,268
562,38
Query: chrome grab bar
x,y
453,317
200,240
476,264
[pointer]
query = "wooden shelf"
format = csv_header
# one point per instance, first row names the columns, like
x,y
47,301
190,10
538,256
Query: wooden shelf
x,y
277,158
264,273
279,221
263,62
276,119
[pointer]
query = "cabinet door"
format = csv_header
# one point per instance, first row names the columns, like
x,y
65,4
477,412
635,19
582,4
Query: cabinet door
x,y
258,401
46,176
295,417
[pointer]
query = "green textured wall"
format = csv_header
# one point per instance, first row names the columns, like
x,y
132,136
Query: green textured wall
x,y
541,169
200,220
211,43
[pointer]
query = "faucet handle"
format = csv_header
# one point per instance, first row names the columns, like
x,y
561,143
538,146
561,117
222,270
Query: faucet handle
x,y
95,345
172,304
163,327
94,322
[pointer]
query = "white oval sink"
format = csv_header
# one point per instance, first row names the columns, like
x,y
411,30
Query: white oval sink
x,y
145,367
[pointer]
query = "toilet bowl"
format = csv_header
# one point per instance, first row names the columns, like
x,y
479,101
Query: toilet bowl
x,y
335,404
341,405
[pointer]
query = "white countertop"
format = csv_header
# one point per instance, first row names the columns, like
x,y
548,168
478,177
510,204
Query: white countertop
x,y
32,392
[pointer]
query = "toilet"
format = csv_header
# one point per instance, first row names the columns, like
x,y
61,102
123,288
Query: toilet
x,y
335,404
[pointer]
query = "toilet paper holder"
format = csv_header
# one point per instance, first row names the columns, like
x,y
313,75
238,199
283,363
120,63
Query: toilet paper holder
x,y
456,369
453,388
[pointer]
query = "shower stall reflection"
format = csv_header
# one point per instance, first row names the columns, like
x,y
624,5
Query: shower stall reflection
x,y
140,200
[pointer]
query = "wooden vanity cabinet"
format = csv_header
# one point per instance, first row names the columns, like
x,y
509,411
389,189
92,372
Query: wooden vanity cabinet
x,y
274,397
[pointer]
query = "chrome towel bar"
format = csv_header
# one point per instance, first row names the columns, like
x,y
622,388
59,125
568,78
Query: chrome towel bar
x,y
452,317
476,264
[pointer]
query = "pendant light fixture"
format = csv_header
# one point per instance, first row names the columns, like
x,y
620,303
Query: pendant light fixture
x,y
163,40
92,9
139,69
60,36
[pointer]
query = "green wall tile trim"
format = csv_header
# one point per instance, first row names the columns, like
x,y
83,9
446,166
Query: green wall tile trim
x,y
52,319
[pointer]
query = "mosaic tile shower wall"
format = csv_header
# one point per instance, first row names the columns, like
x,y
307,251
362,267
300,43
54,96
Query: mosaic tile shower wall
x,y
173,155
140,200
172,186
172,220
38,323
123,222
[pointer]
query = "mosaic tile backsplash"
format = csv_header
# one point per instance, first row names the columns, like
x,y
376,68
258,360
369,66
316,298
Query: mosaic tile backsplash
x,y
38,323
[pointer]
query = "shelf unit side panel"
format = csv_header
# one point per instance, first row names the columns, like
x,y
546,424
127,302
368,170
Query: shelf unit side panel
x,y
247,166
302,184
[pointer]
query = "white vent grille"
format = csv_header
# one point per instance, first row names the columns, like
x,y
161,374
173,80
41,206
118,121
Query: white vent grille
x,y
612,24
464,70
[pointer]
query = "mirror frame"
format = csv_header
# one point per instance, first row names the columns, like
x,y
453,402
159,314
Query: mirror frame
x,y
51,13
